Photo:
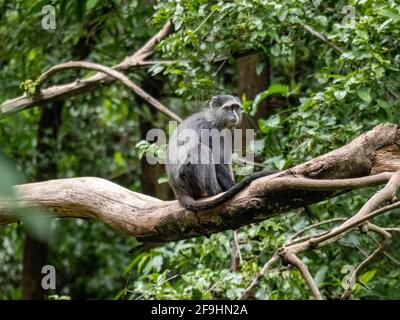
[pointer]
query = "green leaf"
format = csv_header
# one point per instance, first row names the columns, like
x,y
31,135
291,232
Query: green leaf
x,y
163,179
272,89
90,5
368,276
196,294
390,14
280,164
340,94
320,275
364,94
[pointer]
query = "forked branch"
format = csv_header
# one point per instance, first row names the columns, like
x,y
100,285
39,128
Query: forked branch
x,y
149,219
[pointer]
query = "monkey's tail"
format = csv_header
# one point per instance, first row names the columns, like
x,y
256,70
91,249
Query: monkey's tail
x,y
195,205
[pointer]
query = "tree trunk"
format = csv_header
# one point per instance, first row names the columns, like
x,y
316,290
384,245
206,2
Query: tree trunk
x,y
151,173
249,84
36,251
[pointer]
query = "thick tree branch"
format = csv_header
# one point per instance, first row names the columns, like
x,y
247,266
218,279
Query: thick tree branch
x,y
150,219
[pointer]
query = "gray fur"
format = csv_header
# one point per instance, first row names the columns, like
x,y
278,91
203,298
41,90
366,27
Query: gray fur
x,y
188,178
191,180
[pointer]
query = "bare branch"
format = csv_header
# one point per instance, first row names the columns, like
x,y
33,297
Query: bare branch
x,y
315,225
356,273
235,252
291,249
392,229
267,267
305,273
323,38
387,255
114,74
84,85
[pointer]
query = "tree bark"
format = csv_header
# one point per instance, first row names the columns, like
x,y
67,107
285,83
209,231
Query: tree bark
x,y
250,83
149,174
36,251
153,220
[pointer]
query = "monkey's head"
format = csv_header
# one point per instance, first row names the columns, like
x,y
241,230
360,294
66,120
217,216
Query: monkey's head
x,y
227,109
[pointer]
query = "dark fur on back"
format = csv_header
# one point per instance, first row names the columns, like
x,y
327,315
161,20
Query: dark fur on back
x,y
190,179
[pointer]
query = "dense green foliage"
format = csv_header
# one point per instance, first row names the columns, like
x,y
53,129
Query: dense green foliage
x,y
331,96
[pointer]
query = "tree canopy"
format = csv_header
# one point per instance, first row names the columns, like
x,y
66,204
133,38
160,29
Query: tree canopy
x,y
312,76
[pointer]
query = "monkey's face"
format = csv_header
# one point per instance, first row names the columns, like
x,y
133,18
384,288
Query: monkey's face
x,y
229,110
232,114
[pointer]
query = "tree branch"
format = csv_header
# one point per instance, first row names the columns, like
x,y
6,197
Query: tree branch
x,y
356,273
256,281
80,85
322,37
305,273
114,74
153,220
288,252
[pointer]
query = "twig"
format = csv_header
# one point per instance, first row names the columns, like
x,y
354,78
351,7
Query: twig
x,y
205,20
302,267
387,255
154,287
387,193
267,266
255,164
354,276
236,252
321,37
315,225
392,229
316,241
392,259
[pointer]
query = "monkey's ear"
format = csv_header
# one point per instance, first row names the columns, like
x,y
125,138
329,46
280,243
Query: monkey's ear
x,y
215,102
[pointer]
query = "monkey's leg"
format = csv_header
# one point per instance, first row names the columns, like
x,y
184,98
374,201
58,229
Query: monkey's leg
x,y
224,177
210,173
198,173
189,180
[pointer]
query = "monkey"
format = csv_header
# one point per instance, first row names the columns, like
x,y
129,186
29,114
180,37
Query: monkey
x,y
192,167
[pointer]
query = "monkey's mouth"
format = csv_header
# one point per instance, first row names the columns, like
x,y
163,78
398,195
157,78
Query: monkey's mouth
x,y
236,121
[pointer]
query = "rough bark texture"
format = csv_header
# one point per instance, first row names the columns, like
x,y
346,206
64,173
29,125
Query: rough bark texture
x,y
150,219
